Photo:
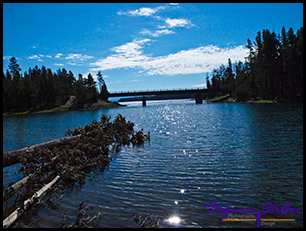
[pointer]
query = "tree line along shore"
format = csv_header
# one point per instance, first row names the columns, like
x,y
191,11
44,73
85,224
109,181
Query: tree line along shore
x,y
273,70
40,90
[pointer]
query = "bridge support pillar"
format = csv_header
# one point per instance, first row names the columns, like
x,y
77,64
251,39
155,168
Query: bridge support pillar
x,y
198,98
144,102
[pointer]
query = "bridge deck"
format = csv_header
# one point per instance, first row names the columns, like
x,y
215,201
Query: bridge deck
x,y
159,92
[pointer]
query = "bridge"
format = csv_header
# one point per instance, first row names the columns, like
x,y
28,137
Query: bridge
x,y
198,92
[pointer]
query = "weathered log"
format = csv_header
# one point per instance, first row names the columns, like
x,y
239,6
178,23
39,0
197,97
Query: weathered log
x,y
11,190
11,158
13,217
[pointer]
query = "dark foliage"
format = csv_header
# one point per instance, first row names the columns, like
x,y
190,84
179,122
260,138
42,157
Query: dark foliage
x,y
103,88
272,70
40,89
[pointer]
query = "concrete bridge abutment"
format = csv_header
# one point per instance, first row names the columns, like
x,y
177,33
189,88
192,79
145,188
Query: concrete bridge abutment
x,y
198,98
144,102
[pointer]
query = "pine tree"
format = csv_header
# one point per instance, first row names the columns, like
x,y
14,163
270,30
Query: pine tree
x,y
103,88
91,91
17,85
14,67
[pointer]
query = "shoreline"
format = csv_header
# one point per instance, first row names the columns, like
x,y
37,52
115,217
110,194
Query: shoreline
x,y
65,108
227,99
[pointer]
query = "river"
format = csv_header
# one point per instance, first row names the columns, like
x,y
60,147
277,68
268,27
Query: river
x,y
242,154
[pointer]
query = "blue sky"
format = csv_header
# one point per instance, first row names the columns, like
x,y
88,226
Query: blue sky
x,y
139,46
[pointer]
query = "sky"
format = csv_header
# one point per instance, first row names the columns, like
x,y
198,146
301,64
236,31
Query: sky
x,y
139,46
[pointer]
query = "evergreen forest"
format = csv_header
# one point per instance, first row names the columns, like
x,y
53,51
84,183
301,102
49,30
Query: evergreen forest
x,y
272,70
40,89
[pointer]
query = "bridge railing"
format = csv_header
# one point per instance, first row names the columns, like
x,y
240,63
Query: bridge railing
x,y
161,90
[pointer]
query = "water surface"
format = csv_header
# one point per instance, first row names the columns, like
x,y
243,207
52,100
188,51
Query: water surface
x,y
242,154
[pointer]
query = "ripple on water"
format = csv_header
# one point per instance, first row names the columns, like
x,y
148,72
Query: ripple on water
x,y
240,154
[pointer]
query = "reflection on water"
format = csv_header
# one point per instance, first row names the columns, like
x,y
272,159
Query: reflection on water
x,y
242,154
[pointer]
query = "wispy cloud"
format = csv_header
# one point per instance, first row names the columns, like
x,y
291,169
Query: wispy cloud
x,y
59,64
157,33
73,64
203,85
78,57
128,55
38,57
58,55
198,60
168,23
177,22
143,11
74,59
7,57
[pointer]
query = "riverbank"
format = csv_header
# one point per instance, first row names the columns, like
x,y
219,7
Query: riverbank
x,y
227,99
69,106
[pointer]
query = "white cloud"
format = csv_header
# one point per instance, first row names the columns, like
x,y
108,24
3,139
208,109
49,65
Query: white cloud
x,y
7,57
157,33
198,60
58,55
203,85
38,57
143,11
33,57
174,4
49,56
127,56
59,64
177,22
78,57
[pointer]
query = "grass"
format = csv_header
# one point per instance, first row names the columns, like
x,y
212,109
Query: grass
x,y
56,109
221,97
218,98
265,101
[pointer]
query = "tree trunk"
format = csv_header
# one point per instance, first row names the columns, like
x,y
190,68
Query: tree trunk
x,y
11,158
13,217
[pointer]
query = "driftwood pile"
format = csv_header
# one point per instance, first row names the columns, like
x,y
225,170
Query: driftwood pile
x,y
149,221
69,161
83,220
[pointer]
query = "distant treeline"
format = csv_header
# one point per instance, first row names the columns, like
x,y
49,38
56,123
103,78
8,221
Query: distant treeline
x,y
273,69
40,89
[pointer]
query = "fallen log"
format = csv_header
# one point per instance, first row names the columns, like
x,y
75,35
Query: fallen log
x,y
34,199
11,158
11,190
